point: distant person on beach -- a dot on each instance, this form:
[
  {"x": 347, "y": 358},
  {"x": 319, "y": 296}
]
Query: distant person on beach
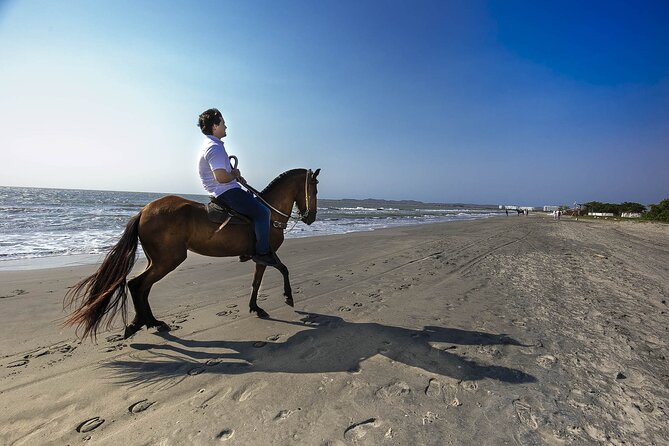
[{"x": 222, "y": 182}]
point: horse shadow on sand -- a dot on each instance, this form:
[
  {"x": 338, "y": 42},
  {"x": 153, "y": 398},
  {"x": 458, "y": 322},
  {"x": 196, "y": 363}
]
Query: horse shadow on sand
[{"x": 326, "y": 344}]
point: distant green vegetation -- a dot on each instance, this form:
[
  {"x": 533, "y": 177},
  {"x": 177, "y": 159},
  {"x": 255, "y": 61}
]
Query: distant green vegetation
[
  {"x": 616, "y": 209},
  {"x": 658, "y": 212}
]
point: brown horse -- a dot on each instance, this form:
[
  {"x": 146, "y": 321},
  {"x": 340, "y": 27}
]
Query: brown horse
[{"x": 168, "y": 228}]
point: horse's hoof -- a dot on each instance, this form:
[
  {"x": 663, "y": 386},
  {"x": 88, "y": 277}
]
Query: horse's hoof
[
  {"x": 289, "y": 301},
  {"x": 262, "y": 314},
  {"x": 159, "y": 325},
  {"x": 163, "y": 327},
  {"x": 130, "y": 330}
]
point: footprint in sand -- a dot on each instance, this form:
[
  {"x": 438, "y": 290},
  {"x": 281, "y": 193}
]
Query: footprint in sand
[
  {"x": 212, "y": 362},
  {"x": 394, "y": 389},
  {"x": 140, "y": 406},
  {"x": 225, "y": 434},
  {"x": 433, "y": 389},
  {"x": 259, "y": 344},
  {"x": 644, "y": 406},
  {"x": 430, "y": 417},
  {"x": 470, "y": 386},
  {"x": 227, "y": 312},
  {"x": 248, "y": 391},
  {"x": 273, "y": 338},
  {"x": 114, "y": 338},
  {"x": 358, "y": 430},
  {"x": 19, "y": 363},
  {"x": 196, "y": 371},
  {"x": 37, "y": 354},
  {"x": 546, "y": 361},
  {"x": 63, "y": 348},
  {"x": 180, "y": 320},
  {"x": 489, "y": 350},
  {"x": 357, "y": 304},
  {"x": 344, "y": 308},
  {"x": 113, "y": 348},
  {"x": 90, "y": 424},
  {"x": 283, "y": 415},
  {"x": 14, "y": 294},
  {"x": 524, "y": 412}
]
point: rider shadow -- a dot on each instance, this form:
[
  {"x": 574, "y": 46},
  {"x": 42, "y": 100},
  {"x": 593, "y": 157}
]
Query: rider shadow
[{"x": 327, "y": 344}]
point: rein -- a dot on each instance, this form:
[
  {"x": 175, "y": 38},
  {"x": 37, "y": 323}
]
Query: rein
[{"x": 250, "y": 188}]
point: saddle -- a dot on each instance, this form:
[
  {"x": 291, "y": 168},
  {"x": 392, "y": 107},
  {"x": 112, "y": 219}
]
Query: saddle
[{"x": 222, "y": 214}]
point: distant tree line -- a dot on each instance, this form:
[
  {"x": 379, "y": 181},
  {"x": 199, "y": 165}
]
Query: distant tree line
[
  {"x": 657, "y": 212},
  {"x": 616, "y": 209}
]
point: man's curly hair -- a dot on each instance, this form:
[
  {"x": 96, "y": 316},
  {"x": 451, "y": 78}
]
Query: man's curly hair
[{"x": 207, "y": 120}]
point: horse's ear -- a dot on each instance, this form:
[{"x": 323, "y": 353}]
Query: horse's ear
[{"x": 316, "y": 173}]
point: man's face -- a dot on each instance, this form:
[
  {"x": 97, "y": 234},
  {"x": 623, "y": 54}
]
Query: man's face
[{"x": 218, "y": 130}]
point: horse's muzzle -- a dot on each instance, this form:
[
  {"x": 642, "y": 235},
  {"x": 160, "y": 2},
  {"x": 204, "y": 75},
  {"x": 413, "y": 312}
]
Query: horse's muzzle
[{"x": 309, "y": 218}]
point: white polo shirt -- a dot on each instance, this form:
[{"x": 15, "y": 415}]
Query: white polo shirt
[{"x": 213, "y": 156}]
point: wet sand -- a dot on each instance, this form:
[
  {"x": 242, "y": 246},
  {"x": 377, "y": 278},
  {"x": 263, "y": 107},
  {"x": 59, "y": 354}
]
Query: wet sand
[{"x": 518, "y": 330}]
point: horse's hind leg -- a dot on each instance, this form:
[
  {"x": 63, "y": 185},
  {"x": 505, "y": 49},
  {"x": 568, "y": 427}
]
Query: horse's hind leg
[
  {"x": 140, "y": 287},
  {"x": 134, "y": 285}
]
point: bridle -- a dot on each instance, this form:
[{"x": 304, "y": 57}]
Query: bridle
[
  {"x": 300, "y": 215},
  {"x": 306, "y": 196}
]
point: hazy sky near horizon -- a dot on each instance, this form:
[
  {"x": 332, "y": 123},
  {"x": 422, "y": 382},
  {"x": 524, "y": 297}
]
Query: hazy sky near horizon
[{"x": 442, "y": 101}]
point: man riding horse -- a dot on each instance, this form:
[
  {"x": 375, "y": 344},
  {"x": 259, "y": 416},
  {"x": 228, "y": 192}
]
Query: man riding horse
[
  {"x": 221, "y": 180},
  {"x": 171, "y": 226}
]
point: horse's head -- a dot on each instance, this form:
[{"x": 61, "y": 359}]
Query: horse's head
[{"x": 306, "y": 201}]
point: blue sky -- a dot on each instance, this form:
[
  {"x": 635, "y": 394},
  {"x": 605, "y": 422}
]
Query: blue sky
[{"x": 444, "y": 101}]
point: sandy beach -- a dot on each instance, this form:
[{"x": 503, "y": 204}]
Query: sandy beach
[{"x": 518, "y": 330}]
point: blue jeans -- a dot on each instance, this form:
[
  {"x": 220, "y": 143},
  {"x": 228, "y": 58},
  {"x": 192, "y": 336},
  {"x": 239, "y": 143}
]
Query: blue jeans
[{"x": 245, "y": 203}]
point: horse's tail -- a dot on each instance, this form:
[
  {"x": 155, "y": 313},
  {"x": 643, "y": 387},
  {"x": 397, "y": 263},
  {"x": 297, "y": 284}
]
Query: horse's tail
[{"x": 104, "y": 293}]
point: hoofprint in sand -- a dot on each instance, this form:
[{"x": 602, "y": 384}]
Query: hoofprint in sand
[{"x": 518, "y": 330}]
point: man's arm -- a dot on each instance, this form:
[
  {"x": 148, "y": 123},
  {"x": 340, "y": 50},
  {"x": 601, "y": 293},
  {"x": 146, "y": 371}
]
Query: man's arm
[{"x": 223, "y": 176}]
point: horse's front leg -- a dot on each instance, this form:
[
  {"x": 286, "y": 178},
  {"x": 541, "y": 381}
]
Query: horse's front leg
[
  {"x": 253, "y": 303},
  {"x": 287, "y": 290}
]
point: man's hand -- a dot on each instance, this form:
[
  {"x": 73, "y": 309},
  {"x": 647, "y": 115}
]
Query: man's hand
[{"x": 238, "y": 176}]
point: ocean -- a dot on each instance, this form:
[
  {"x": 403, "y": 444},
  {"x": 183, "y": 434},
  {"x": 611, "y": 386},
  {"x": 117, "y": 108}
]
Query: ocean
[{"x": 62, "y": 224}]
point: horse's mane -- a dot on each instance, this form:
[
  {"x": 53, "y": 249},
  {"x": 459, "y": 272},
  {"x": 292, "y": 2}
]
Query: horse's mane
[{"x": 275, "y": 181}]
